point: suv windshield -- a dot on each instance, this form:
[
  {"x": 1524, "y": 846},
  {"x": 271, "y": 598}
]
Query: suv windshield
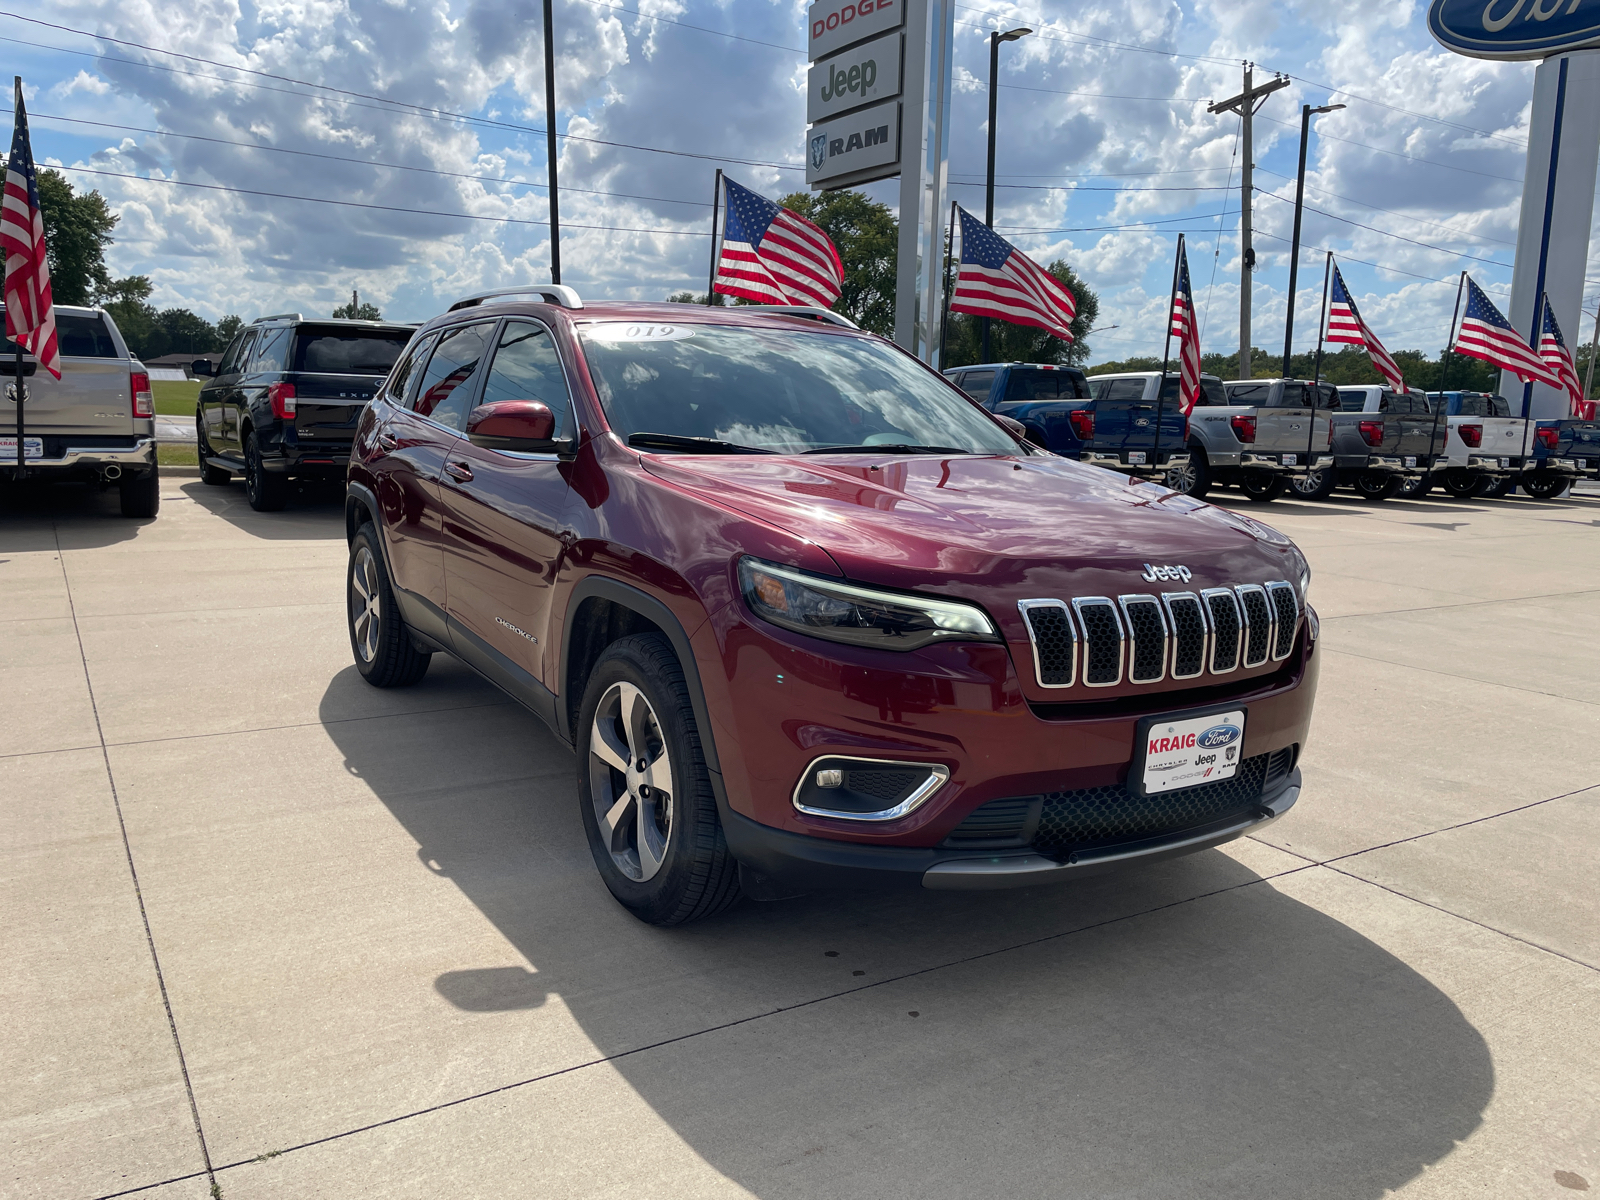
[
  {"x": 336, "y": 351},
  {"x": 783, "y": 390}
]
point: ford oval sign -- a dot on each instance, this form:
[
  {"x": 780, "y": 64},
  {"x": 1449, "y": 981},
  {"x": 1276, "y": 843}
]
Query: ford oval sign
[
  {"x": 1514, "y": 28},
  {"x": 1218, "y": 736}
]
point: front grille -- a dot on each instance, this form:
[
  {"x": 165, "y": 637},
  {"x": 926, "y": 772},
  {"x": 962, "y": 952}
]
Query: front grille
[
  {"x": 1147, "y": 631},
  {"x": 1059, "y": 823},
  {"x": 1258, "y": 623},
  {"x": 1187, "y": 621},
  {"x": 1102, "y": 640},
  {"x": 1286, "y": 610},
  {"x": 1223, "y": 607},
  {"x": 1055, "y": 641}
]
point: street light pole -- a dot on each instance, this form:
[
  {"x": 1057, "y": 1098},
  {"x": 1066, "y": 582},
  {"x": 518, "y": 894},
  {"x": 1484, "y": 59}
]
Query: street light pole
[
  {"x": 1306, "y": 112},
  {"x": 550, "y": 140},
  {"x": 995, "y": 39}
]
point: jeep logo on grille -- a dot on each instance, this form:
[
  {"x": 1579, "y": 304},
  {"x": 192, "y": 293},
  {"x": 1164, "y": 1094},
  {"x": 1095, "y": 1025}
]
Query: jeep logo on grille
[{"x": 1153, "y": 573}]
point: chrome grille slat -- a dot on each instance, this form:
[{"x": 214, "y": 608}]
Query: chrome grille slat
[
  {"x": 1258, "y": 623},
  {"x": 1286, "y": 611},
  {"x": 1054, "y": 639},
  {"x": 1103, "y": 640},
  {"x": 1146, "y": 627},
  {"x": 1227, "y": 624},
  {"x": 1191, "y": 633}
]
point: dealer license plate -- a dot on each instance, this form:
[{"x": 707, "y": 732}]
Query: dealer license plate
[
  {"x": 1136, "y": 458},
  {"x": 1505, "y": 462},
  {"x": 31, "y": 448},
  {"x": 1291, "y": 460},
  {"x": 1411, "y": 460},
  {"x": 1190, "y": 751}
]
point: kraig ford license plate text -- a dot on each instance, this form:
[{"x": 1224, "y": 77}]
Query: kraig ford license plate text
[{"x": 1192, "y": 751}]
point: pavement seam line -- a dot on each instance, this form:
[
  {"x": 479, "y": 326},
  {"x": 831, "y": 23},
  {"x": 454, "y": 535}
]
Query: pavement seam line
[
  {"x": 734, "y": 1024},
  {"x": 421, "y": 712},
  {"x": 133, "y": 874},
  {"x": 1510, "y": 687},
  {"x": 1391, "y": 612}
]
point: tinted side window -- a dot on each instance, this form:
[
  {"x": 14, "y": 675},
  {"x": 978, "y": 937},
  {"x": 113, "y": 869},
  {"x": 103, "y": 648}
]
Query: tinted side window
[
  {"x": 84, "y": 337},
  {"x": 269, "y": 352},
  {"x": 1502, "y": 407},
  {"x": 527, "y": 367},
  {"x": 448, "y": 382},
  {"x": 1169, "y": 388},
  {"x": 406, "y": 373},
  {"x": 1125, "y": 389},
  {"x": 1351, "y": 400},
  {"x": 977, "y": 384},
  {"x": 1032, "y": 385},
  {"x": 1249, "y": 393},
  {"x": 238, "y": 352},
  {"x": 1212, "y": 392}
]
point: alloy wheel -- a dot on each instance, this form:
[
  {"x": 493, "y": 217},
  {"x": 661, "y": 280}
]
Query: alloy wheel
[
  {"x": 365, "y": 614},
  {"x": 1310, "y": 484},
  {"x": 630, "y": 781}
]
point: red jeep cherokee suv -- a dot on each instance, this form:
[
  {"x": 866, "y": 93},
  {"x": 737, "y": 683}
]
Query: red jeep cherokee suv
[{"x": 808, "y": 615}]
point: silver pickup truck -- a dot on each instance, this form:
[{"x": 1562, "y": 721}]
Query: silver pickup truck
[
  {"x": 96, "y": 423},
  {"x": 1258, "y": 433}
]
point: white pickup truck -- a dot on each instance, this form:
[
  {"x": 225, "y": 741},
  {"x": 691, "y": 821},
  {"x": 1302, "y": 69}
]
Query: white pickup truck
[
  {"x": 96, "y": 423},
  {"x": 1488, "y": 447}
]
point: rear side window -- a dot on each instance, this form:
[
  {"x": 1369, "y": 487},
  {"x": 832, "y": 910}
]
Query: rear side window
[
  {"x": 1249, "y": 393},
  {"x": 1502, "y": 407},
  {"x": 977, "y": 384},
  {"x": 527, "y": 367},
  {"x": 238, "y": 353},
  {"x": 1212, "y": 392},
  {"x": 268, "y": 353},
  {"x": 1124, "y": 389},
  {"x": 1352, "y": 400},
  {"x": 84, "y": 337},
  {"x": 407, "y": 372},
  {"x": 1037, "y": 385},
  {"x": 445, "y": 393},
  {"x": 334, "y": 351}
]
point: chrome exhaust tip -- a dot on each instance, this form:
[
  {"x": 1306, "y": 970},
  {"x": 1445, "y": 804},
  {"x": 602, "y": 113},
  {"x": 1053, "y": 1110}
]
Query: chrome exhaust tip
[{"x": 113, "y": 472}]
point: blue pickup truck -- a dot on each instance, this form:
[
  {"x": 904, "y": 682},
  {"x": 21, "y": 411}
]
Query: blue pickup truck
[
  {"x": 1562, "y": 452},
  {"x": 1107, "y": 421}
]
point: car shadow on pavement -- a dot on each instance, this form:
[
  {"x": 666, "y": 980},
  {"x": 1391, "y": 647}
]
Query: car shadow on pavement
[
  {"x": 84, "y": 515},
  {"x": 315, "y": 509},
  {"x": 1186, "y": 1029}
]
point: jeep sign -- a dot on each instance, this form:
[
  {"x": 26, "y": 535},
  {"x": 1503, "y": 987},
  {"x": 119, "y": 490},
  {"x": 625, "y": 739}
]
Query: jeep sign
[
  {"x": 855, "y": 143},
  {"x": 834, "y": 24},
  {"x": 856, "y": 77}
]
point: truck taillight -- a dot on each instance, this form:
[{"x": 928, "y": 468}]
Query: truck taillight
[
  {"x": 1244, "y": 428},
  {"x": 144, "y": 404},
  {"x": 1470, "y": 435},
  {"x": 1548, "y": 435},
  {"x": 1372, "y": 433},
  {"x": 1082, "y": 423},
  {"x": 281, "y": 397}
]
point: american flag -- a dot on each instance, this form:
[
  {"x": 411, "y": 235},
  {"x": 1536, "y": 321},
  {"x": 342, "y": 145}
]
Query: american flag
[
  {"x": 30, "y": 316},
  {"x": 998, "y": 280},
  {"x": 774, "y": 256},
  {"x": 1486, "y": 334},
  {"x": 1345, "y": 325},
  {"x": 1186, "y": 328},
  {"x": 1553, "y": 349}
]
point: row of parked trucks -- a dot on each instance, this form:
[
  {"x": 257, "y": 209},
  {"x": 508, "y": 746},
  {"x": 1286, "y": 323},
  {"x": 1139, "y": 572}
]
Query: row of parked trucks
[{"x": 1275, "y": 437}]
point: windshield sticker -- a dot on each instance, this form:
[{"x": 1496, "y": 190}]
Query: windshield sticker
[{"x": 620, "y": 331}]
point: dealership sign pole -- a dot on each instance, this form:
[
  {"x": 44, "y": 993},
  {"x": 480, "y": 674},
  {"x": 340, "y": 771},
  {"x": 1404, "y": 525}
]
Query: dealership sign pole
[
  {"x": 1563, "y": 152},
  {"x": 877, "y": 104}
]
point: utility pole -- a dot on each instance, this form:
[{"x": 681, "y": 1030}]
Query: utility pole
[
  {"x": 1588, "y": 376},
  {"x": 1247, "y": 103}
]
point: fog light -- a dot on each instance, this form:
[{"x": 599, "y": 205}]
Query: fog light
[
  {"x": 830, "y": 779},
  {"x": 866, "y": 789}
]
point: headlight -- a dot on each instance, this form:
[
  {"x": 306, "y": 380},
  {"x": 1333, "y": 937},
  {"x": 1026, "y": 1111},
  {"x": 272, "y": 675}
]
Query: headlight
[{"x": 845, "y": 612}]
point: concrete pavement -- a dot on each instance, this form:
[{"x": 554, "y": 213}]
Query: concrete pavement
[{"x": 270, "y": 928}]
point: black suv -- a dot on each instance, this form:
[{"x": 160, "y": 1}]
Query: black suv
[{"x": 285, "y": 399}]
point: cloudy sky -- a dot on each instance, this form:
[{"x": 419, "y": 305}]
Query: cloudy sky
[{"x": 434, "y": 147}]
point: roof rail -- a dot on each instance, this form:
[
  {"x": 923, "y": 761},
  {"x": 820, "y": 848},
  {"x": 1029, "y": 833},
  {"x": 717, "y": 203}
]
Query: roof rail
[
  {"x": 799, "y": 310},
  {"x": 279, "y": 317},
  {"x": 553, "y": 293}
]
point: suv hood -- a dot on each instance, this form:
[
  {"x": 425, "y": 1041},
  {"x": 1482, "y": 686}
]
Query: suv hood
[{"x": 992, "y": 530}]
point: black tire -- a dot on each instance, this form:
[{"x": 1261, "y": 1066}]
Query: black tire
[
  {"x": 1414, "y": 487},
  {"x": 1491, "y": 488},
  {"x": 1376, "y": 485},
  {"x": 1263, "y": 487},
  {"x": 1313, "y": 485},
  {"x": 666, "y": 864},
  {"x": 1545, "y": 487},
  {"x": 1193, "y": 480},
  {"x": 1460, "y": 484},
  {"x": 141, "y": 496},
  {"x": 215, "y": 476},
  {"x": 266, "y": 491},
  {"x": 381, "y": 645}
]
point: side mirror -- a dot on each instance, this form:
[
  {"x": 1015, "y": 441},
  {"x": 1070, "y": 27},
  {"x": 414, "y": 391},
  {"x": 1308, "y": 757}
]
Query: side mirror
[
  {"x": 513, "y": 425},
  {"x": 1014, "y": 427},
  {"x": 201, "y": 368}
]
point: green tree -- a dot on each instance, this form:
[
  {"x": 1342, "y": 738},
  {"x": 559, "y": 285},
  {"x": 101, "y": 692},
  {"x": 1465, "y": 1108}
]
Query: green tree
[
  {"x": 77, "y": 230},
  {"x": 867, "y": 237},
  {"x": 357, "y": 310},
  {"x": 226, "y": 328},
  {"x": 1024, "y": 343},
  {"x": 186, "y": 332}
]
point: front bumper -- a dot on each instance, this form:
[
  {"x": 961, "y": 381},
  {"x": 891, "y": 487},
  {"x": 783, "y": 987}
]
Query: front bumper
[
  {"x": 141, "y": 453},
  {"x": 1119, "y": 461}
]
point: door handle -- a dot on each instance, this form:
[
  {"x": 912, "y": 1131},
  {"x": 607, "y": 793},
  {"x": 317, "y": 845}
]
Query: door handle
[
  {"x": 458, "y": 470},
  {"x": 386, "y": 440}
]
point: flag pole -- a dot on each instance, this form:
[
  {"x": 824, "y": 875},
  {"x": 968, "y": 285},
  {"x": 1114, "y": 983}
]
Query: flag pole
[
  {"x": 1316, "y": 369},
  {"x": 22, "y": 391},
  {"x": 711, "y": 278},
  {"x": 1588, "y": 375},
  {"x": 1166, "y": 357},
  {"x": 949, "y": 250}
]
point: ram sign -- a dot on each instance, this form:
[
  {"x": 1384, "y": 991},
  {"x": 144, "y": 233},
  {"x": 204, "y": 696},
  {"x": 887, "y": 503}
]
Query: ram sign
[
  {"x": 855, "y": 147},
  {"x": 857, "y": 77},
  {"x": 1514, "y": 28}
]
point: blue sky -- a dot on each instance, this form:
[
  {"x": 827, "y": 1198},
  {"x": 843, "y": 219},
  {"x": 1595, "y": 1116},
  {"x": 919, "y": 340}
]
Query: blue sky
[{"x": 1105, "y": 151}]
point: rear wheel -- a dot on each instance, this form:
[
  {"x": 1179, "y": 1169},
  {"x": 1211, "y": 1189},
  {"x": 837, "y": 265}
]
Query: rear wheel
[
  {"x": 215, "y": 476},
  {"x": 141, "y": 497},
  {"x": 1414, "y": 487},
  {"x": 384, "y": 652},
  {"x": 1262, "y": 486},
  {"x": 644, "y": 791},
  {"x": 1495, "y": 489},
  {"x": 1460, "y": 484},
  {"x": 1193, "y": 478},
  {"x": 1545, "y": 487},
  {"x": 1377, "y": 485},
  {"x": 1314, "y": 485},
  {"x": 266, "y": 491}
]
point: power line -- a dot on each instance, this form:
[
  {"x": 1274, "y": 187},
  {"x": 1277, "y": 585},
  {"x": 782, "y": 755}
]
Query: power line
[
  {"x": 1018, "y": 87},
  {"x": 1040, "y": 187},
  {"x": 1088, "y": 37},
  {"x": 1392, "y": 153},
  {"x": 1519, "y": 144},
  {"x": 698, "y": 28},
  {"x": 1384, "y": 232},
  {"x": 1407, "y": 216}
]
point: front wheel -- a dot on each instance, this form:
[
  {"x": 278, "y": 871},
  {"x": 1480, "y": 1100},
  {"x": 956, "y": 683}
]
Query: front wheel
[
  {"x": 643, "y": 789},
  {"x": 215, "y": 476},
  {"x": 1313, "y": 485},
  {"x": 1545, "y": 487},
  {"x": 1262, "y": 486},
  {"x": 1193, "y": 479},
  {"x": 384, "y": 652},
  {"x": 1377, "y": 485}
]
